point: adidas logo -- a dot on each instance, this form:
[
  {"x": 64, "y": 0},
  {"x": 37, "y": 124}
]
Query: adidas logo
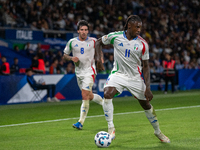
[
  {"x": 121, "y": 44},
  {"x": 76, "y": 45},
  {"x": 88, "y": 87}
]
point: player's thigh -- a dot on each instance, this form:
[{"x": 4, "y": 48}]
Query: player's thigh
[
  {"x": 87, "y": 83},
  {"x": 137, "y": 89},
  {"x": 114, "y": 84},
  {"x": 79, "y": 81}
]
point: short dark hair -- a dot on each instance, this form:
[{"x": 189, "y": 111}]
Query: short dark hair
[
  {"x": 132, "y": 18},
  {"x": 82, "y": 23},
  {"x": 40, "y": 55},
  {"x": 28, "y": 69}
]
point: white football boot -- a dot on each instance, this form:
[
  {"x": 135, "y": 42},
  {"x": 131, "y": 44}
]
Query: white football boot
[
  {"x": 111, "y": 131},
  {"x": 162, "y": 137}
]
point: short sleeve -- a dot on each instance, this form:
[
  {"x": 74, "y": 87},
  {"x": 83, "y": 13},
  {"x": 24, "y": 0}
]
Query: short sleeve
[
  {"x": 68, "y": 47},
  {"x": 109, "y": 39},
  {"x": 105, "y": 40},
  {"x": 145, "y": 51}
]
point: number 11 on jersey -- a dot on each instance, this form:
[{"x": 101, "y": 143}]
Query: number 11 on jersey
[{"x": 127, "y": 52}]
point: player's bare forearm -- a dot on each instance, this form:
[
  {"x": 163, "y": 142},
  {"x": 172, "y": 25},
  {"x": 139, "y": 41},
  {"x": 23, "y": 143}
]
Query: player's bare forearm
[
  {"x": 70, "y": 58},
  {"x": 98, "y": 54},
  {"x": 146, "y": 73},
  {"x": 67, "y": 57},
  {"x": 98, "y": 49}
]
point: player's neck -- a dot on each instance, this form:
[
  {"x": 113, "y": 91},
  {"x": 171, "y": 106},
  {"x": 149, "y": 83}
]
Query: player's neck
[
  {"x": 129, "y": 37},
  {"x": 82, "y": 39}
]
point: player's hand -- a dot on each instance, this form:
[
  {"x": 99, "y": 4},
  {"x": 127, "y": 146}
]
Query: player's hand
[
  {"x": 148, "y": 94},
  {"x": 75, "y": 59},
  {"x": 100, "y": 66}
]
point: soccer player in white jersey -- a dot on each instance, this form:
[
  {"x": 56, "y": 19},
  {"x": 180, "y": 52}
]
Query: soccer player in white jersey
[
  {"x": 131, "y": 51},
  {"x": 83, "y": 50}
]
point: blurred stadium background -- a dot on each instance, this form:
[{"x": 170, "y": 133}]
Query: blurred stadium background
[{"x": 29, "y": 27}]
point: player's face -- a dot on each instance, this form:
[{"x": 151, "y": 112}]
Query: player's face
[
  {"x": 135, "y": 28},
  {"x": 83, "y": 32}
]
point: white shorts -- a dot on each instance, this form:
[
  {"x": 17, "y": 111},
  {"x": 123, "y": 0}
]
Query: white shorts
[
  {"x": 85, "y": 82},
  {"x": 120, "y": 82}
]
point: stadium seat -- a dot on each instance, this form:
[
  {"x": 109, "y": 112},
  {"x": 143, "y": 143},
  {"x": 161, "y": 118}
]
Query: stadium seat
[{"x": 22, "y": 70}]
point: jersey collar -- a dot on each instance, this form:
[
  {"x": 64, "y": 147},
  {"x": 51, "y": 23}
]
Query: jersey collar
[
  {"x": 126, "y": 37},
  {"x": 80, "y": 40}
]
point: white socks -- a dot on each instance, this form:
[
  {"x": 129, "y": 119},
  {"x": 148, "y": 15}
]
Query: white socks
[
  {"x": 108, "y": 111},
  {"x": 84, "y": 110},
  {"x": 97, "y": 99},
  {"x": 151, "y": 116},
  {"x": 85, "y": 107}
]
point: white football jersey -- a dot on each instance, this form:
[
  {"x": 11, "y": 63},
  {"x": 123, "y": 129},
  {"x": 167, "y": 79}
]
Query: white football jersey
[
  {"x": 85, "y": 51},
  {"x": 127, "y": 54}
]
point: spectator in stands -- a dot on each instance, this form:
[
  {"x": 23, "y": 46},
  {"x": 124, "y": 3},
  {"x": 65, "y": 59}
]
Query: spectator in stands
[
  {"x": 169, "y": 71},
  {"x": 5, "y": 67},
  {"x": 9, "y": 18},
  {"x": 15, "y": 67},
  {"x": 52, "y": 69},
  {"x": 70, "y": 69},
  {"x": 47, "y": 66},
  {"x": 29, "y": 50},
  {"x": 16, "y": 48},
  {"x": 37, "y": 86},
  {"x": 47, "y": 56},
  {"x": 59, "y": 55},
  {"x": 109, "y": 63},
  {"x": 38, "y": 65},
  {"x": 60, "y": 68},
  {"x": 169, "y": 30},
  {"x": 44, "y": 24}
]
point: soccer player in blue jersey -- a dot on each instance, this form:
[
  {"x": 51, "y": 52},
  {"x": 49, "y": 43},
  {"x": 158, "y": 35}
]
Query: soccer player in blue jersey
[
  {"x": 131, "y": 52},
  {"x": 83, "y": 50}
]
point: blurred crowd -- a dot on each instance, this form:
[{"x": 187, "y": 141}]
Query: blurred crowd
[{"x": 169, "y": 26}]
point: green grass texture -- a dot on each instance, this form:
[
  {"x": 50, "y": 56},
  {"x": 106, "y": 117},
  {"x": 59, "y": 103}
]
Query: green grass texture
[{"x": 48, "y": 126}]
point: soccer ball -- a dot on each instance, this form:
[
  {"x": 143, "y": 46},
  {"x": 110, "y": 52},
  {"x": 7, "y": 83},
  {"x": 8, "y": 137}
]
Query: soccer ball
[{"x": 102, "y": 139}]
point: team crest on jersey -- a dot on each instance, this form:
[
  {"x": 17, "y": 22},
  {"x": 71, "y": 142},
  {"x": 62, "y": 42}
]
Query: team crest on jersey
[
  {"x": 88, "y": 44},
  {"x": 136, "y": 46}
]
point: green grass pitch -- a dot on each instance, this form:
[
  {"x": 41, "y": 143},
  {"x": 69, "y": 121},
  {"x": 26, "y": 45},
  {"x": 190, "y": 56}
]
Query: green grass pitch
[{"x": 48, "y": 126}]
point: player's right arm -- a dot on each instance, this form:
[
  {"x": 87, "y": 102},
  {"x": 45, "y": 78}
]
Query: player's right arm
[
  {"x": 98, "y": 54},
  {"x": 70, "y": 58},
  {"x": 67, "y": 51},
  {"x": 104, "y": 40}
]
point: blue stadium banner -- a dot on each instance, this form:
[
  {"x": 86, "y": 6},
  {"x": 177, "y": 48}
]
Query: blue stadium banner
[{"x": 27, "y": 35}]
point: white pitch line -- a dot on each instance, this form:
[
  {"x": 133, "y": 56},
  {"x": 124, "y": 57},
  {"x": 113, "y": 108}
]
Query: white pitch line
[{"x": 135, "y": 112}]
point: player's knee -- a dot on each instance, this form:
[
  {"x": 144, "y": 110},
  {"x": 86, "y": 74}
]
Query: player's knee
[
  {"x": 146, "y": 107},
  {"x": 145, "y": 104},
  {"x": 107, "y": 95},
  {"x": 85, "y": 95}
]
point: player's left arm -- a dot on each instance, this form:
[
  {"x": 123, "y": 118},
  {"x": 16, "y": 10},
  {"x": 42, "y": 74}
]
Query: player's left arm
[
  {"x": 146, "y": 73},
  {"x": 146, "y": 69}
]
